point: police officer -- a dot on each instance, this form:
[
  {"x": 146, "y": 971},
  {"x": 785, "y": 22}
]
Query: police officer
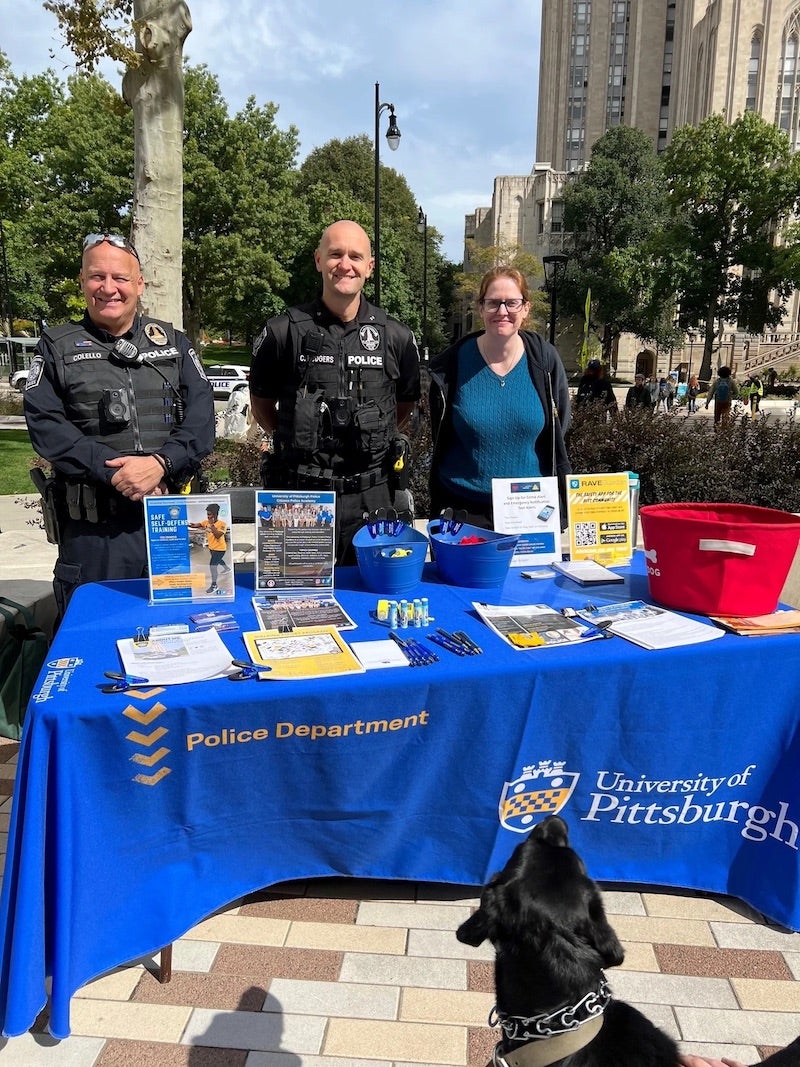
[
  {"x": 332, "y": 381},
  {"x": 120, "y": 406}
]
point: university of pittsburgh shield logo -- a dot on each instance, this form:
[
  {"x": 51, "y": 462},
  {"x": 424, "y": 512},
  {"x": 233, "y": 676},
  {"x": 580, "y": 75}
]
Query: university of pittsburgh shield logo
[{"x": 539, "y": 791}]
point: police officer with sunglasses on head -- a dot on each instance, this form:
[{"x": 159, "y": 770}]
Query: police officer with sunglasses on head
[{"x": 119, "y": 405}]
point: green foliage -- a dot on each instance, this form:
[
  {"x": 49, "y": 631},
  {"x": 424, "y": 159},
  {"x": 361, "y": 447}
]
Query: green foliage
[
  {"x": 747, "y": 462},
  {"x": 18, "y": 458},
  {"x": 733, "y": 188},
  {"x": 613, "y": 209}
]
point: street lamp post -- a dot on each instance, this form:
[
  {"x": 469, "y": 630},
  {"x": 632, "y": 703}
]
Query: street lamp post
[
  {"x": 393, "y": 139},
  {"x": 554, "y": 268},
  {"x": 422, "y": 227}
]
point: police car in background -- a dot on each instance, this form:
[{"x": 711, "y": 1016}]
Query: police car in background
[{"x": 223, "y": 376}]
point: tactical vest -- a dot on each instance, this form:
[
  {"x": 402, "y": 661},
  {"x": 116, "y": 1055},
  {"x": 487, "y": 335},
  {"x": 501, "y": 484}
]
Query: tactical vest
[
  {"x": 127, "y": 406},
  {"x": 338, "y": 410}
]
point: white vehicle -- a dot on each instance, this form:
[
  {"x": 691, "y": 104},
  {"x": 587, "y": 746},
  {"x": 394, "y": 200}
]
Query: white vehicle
[
  {"x": 222, "y": 377},
  {"x": 16, "y": 353}
]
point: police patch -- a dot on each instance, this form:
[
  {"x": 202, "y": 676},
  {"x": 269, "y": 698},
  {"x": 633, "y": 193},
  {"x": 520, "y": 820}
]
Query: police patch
[
  {"x": 153, "y": 332},
  {"x": 198, "y": 364},
  {"x": 370, "y": 338},
  {"x": 35, "y": 373},
  {"x": 84, "y": 342}
]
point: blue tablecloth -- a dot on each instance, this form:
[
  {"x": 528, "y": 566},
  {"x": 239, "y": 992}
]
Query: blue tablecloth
[{"x": 135, "y": 816}]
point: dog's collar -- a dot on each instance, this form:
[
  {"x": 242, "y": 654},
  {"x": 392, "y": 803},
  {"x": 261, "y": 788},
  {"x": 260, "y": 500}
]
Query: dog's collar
[
  {"x": 563, "y": 1020},
  {"x": 549, "y": 1050}
]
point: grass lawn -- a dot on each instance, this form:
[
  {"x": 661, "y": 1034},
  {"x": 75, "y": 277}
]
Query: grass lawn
[{"x": 17, "y": 453}]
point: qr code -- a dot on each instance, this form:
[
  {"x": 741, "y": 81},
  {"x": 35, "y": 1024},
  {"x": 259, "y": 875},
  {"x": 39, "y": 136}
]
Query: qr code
[{"x": 585, "y": 534}]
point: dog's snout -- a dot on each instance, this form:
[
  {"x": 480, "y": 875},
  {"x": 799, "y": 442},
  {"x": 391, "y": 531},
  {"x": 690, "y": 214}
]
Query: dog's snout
[{"x": 553, "y": 830}]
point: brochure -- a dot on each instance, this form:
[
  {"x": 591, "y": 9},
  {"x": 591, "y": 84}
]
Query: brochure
[
  {"x": 529, "y": 507},
  {"x": 650, "y": 626},
  {"x": 535, "y": 625},
  {"x": 188, "y": 547},
  {"x": 287, "y": 611},
  {"x": 174, "y": 659},
  {"x": 786, "y": 621},
  {"x": 295, "y": 539},
  {"x": 214, "y": 620},
  {"x": 599, "y": 509},
  {"x": 309, "y": 653},
  {"x": 586, "y": 572}
]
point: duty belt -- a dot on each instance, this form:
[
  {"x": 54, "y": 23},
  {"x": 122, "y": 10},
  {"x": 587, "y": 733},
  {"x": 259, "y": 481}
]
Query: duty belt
[{"x": 320, "y": 478}]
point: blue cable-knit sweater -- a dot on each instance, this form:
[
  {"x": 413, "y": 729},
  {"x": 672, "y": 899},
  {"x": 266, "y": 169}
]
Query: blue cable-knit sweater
[{"x": 496, "y": 422}]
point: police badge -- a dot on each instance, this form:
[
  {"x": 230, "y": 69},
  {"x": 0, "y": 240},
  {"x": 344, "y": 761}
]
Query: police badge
[
  {"x": 369, "y": 337},
  {"x": 539, "y": 791},
  {"x": 155, "y": 334}
]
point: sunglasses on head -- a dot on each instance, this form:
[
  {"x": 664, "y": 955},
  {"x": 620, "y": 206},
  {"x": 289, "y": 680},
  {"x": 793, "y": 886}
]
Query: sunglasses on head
[{"x": 115, "y": 239}]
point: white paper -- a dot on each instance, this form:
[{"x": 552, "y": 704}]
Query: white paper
[
  {"x": 652, "y": 627},
  {"x": 586, "y": 571},
  {"x": 189, "y": 657},
  {"x": 529, "y": 507},
  {"x": 379, "y": 654}
]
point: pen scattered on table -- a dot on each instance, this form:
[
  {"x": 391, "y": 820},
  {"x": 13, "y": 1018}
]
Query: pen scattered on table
[
  {"x": 457, "y": 642},
  {"x": 416, "y": 654}
]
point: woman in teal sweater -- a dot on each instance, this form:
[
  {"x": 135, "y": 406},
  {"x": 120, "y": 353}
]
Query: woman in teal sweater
[{"x": 499, "y": 404}]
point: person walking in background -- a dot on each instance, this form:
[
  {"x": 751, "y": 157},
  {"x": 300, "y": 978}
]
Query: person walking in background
[
  {"x": 120, "y": 406},
  {"x": 499, "y": 404},
  {"x": 723, "y": 392},
  {"x": 756, "y": 391},
  {"x": 334, "y": 381},
  {"x": 638, "y": 396},
  {"x": 666, "y": 392},
  {"x": 595, "y": 392},
  {"x": 692, "y": 392}
]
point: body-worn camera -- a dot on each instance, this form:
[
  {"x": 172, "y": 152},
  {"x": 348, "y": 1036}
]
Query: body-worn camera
[
  {"x": 341, "y": 411},
  {"x": 116, "y": 407}
]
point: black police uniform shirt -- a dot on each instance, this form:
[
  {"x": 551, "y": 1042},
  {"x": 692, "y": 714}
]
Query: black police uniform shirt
[
  {"x": 352, "y": 369},
  {"x": 70, "y": 393}
]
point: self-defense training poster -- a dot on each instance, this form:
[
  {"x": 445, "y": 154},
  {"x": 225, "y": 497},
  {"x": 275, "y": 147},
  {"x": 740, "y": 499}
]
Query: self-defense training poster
[
  {"x": 599, "y": 511},
  {"x": 529, "y": 507},
  {"x": 295, "y": 539},
  {"x": 188, "y": 547}
]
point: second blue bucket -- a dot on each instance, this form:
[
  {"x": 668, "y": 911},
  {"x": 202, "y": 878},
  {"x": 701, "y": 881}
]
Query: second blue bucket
[{"x": 480, "y": 565}]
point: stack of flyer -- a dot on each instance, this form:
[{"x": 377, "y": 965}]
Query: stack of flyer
[{"x": 214, "y": 620}]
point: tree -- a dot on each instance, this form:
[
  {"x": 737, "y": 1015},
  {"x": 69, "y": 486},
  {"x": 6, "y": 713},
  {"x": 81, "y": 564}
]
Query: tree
[
  {"x": 153, "y": 87},
  {"x": 612, "y": 210},
  {"x": 243, "y": 222},
  {"x": 732, "y": 250}
]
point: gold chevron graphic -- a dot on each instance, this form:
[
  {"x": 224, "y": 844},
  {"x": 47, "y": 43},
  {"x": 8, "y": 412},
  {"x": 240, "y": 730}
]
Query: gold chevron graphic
[
  {"x": 144, "y": 717},
  {"x": 148, "y": 761},
  {"x": 146, "y": 739},
  {"x": 152, "y": 779},
  {"x": 145, "y": 694}
]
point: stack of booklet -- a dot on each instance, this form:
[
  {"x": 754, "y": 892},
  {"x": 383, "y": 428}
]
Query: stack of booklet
[
  {"x": 650, "y": 626},
  {"x": 778, "y": 622}
]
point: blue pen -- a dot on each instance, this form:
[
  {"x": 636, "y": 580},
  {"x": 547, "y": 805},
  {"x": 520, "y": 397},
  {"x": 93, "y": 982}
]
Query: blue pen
[
  {"x": 424, "y": 654},
  {"x": 451, "y": 646}
]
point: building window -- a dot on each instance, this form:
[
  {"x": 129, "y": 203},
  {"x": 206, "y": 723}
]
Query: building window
[
  {"x": 752, "y": 71},
  {"x": 788, "y": 85},
  {"x": 557, "y": 216}
]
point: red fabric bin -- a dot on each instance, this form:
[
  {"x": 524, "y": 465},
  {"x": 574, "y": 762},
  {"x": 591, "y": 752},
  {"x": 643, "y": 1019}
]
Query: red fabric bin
[{"x": 718, "y": 559}]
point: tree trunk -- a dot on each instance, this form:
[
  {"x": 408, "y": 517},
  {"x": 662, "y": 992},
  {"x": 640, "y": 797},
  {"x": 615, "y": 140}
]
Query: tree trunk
[{"x": 154, "y": 91}]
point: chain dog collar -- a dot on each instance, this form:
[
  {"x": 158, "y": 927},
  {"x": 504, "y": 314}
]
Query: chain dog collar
[{"x": 564, "y": 1020}]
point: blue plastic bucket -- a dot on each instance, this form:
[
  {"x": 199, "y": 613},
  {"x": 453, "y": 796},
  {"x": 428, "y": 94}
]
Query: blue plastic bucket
[
  {"x": 382, "y": 568},
  {"x": 477, "y": 566}
]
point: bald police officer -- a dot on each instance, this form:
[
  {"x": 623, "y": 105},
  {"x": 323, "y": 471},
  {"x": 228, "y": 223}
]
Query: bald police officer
[
  {"x": 118, "y": 403},
  {"x": 332, "y": 381}
]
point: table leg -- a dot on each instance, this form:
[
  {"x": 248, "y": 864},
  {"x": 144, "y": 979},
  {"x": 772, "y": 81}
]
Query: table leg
[{"x": 165, "y": 968}]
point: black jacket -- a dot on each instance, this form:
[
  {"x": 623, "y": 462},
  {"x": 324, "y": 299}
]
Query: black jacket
[{"x": 550, "y": 381}]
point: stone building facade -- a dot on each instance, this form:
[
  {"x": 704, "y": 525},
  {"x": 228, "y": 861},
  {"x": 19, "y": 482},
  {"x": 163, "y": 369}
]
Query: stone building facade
[{"x": 658, "y": 65}]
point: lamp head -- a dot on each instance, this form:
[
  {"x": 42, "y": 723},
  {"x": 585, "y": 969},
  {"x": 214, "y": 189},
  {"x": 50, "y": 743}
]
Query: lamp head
[
  {"x": 393, "y": 133},
  {"x": 554, "y": 268},
  {"x": 422, "y": 221}
]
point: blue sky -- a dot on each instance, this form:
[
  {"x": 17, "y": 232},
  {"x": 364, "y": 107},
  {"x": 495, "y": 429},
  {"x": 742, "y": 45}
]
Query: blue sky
[{"x": 463, "y": 78}]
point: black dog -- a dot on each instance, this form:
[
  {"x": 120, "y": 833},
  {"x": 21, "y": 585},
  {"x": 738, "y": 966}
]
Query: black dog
[{"x": 545, "y": 917}]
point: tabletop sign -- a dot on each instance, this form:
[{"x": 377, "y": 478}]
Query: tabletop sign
[
  {"x": 599, "y": 510},
  {"x": 295, "y": 540},
  {"x": 529, "y": 507},
  {"x": 188, "y": 547}
]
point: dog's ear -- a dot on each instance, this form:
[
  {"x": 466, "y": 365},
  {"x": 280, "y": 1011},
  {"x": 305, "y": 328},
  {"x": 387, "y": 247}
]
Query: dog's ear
[
  {"x": 474, "y": 930},
  {"x": 600, "y": 934}
]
